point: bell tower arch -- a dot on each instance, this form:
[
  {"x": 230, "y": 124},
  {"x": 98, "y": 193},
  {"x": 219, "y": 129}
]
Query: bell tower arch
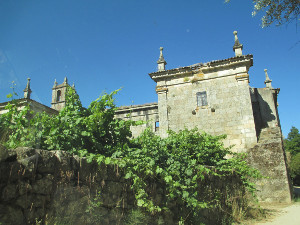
[{"x": 59, "y": 95}]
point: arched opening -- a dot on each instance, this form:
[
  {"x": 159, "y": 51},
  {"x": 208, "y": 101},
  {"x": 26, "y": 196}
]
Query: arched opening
[{"x": 58, "y": 96}]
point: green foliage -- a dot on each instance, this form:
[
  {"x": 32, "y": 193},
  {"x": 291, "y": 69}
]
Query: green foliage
[
  {"x": 295, "y": 169},
  {"x": 279, "y": 11},
  {"x": 292, "y": 142},
  {"x": 13, "y": 122},
  {"x": 64, "y": 131},
  {"x": 179, "y": 162},
  {"x": 74, "y": 129},
  {"x": 137, "y": 217},
  {"x": 292, "y": 145}
]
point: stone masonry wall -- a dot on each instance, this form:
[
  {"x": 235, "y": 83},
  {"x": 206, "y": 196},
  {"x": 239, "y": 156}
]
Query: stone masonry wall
[
  {"x": 57, "y": 188},
  {"x": 147, "y": 113},
  {"x": 54, "y": 187},
  {"x": 269, "y": 158},
  {"x": 229, "y": 109}
]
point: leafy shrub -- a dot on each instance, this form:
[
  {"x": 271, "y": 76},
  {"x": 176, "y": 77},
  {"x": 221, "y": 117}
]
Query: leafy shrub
[
  {"x": 292, "y": 145},
  {"x": 295, "y": 169},
  {"x": 179, "y": 162},
  {"x": 74, "y": 129},
  {"x": 292, "y": 142}
]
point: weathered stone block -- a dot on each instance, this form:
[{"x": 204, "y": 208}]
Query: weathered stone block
[
  {"x": 24, "y": 187},
  {"x": 44, "y": 186},
  {"x": 9, "y": 192},
  {"x": 11, "y": 215}
]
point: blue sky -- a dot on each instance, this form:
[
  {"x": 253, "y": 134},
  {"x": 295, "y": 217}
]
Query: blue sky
[{"x": 105, "y": 45}]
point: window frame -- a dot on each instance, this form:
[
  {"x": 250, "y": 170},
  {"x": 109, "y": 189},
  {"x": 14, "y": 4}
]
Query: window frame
[
  {"x": 201, "y": 98},
  {"x": 156, "y": 126}
]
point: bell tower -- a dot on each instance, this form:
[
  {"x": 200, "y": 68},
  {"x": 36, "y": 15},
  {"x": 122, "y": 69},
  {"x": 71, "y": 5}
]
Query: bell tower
[{"x": 59, "y": 95}]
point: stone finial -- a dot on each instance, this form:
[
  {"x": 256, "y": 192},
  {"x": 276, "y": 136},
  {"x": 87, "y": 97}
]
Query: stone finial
[
  {"x": 161, "y": 62},
  {"x": 237, "y": 47},
  {"x": 27, "y": 90},
  {"x": 66, "y": 80},
  {"x": 268, "y": 81},
  {"x": 55, "y": 83},
  {"x": 73, "y": 85}
]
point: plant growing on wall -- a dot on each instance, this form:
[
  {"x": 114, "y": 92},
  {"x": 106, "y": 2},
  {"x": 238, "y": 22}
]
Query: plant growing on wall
[{"x": 179, "y": 162}]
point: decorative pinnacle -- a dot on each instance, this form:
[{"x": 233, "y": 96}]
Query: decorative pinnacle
[
  {"x": 27, "y": 90},
  {"x": 161, "y": 61},
  {"x": 161, "y": 54},
  {"x": 55, "y": 83},
  {"x": 66, "y": 80},
  {"x": 235, "y": 36},
  {"x": 268, "y": 81},
  {"x": 161, "y": 57},
  {"x": 28, "y": 83},
  {"x": 237, "y": 47}
]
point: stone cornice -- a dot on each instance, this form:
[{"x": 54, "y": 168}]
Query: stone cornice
[
  {"x": 148, "y": 106},
  {"x": 216, "y": 65},
  {"x": 23, "y": 101}
]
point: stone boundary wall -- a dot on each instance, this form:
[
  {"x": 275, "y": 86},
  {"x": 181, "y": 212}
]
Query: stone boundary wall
[{"x": 55, "y": 187}]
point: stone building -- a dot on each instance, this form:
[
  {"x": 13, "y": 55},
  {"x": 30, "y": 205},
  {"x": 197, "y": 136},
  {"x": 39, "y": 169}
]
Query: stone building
[
  {"x": 215, "y": 97},
  {"x": 59, "y": 95},
  {"x": 34, "y": 105},
  {"x": 58, "y": 99}
]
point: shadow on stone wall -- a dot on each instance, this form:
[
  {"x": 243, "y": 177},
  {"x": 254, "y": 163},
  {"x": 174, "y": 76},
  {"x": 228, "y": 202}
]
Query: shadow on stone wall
[{"x": 262, "y": 112}]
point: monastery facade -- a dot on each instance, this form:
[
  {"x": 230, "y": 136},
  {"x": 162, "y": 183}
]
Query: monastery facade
[{"x": 216, "y": 98}]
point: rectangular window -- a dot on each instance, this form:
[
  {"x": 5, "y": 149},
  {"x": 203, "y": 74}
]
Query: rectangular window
[
  {"x": 201, "y": 98},
  {"x": 157, "y": 126}
]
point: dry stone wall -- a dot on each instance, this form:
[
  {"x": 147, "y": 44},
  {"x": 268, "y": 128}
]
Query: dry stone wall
[{"x": 54, "y": 187}]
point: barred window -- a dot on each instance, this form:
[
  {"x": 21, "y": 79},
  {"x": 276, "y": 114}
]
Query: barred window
[{"x": 201, "y": 98}]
